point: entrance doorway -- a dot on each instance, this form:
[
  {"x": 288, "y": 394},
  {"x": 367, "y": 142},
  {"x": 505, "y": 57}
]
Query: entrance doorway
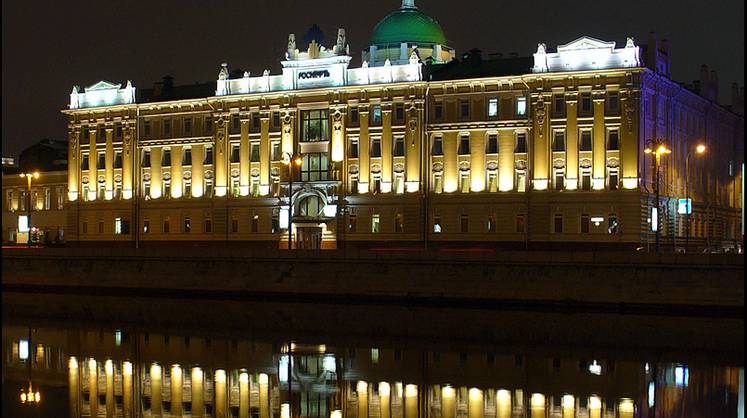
[{"x": 309, "y": 238}]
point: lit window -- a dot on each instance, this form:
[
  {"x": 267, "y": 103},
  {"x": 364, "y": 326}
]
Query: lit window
[
  {"x": 493, "y": 107},
  {"x": 375, "y": 355},
  {"x": 146, "y": 226},
  {"x": 375, "y": 223},
  {"x": 399, "y": 223},
  {"x": 117, "y": 226},
  {"x": 595, "y": 368},
  {"x": 352, "y": 223},
  {"x": 437, "y": 224},
  {"x": 376, "y": 115},
  {"x": 521, "y": 106},
  {"x": 187, "y": 225}
]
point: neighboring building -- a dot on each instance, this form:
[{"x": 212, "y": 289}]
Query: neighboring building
[
  {"x": 9, "y": 165},
  {"x": 539, "y": 151}
]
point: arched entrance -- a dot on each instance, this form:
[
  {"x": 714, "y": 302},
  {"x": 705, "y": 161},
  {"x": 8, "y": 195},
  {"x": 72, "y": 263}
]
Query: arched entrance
[{"x": 310, "y": 219}]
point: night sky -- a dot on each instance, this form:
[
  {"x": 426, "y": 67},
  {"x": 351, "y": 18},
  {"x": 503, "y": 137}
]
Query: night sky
[{"x": 47, "y": 48}]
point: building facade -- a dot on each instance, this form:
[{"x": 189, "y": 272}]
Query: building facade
[{"x": 397, "y": 152}]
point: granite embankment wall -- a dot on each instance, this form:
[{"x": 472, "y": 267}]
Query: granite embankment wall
[{"x": 670, "y": 283}]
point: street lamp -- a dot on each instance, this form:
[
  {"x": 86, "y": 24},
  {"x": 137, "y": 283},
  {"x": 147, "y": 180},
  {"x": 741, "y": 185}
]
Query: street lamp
[
  {"x": 699, "y": 149},
  {"x": 289, "y": 159},
  {"x": 28, "y": 177},
  {"x": 657, "y": 148}
]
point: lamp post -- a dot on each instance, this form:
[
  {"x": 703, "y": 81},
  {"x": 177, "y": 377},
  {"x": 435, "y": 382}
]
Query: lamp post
[
  {"x": 289, "y": 159},
  {"x": 699, "y": 149},
  {"x": 657, "y": 148},
  {"x": 28, "y": 177}
]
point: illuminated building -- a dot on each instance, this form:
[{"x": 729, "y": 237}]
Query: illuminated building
[{"x": 536, "y": 151}]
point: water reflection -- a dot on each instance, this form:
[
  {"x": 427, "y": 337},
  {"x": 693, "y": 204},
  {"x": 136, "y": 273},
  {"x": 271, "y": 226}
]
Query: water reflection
[{"x": 128, "y": 373}]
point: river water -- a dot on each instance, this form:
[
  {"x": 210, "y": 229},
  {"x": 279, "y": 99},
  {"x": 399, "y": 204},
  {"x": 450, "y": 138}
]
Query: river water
[{"x": 90, "y": 356}]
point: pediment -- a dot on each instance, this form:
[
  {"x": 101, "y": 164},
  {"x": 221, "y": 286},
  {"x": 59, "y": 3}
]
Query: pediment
[
  {"x": 586, "y": 42},
  {"x": 103, "y": 85}
]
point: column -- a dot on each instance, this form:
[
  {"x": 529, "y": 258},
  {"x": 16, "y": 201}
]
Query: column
[
  {"x": 109, "y": 160},
  {"x": 571, "y": 138},
  {"x": 411, "y": 401},
  {"x": 109, "y": 370},
  {"x": 503, "y": 404},
  {"x": 73, "y": 154},
  {"x": 92, "y": 160},
  {"x": 244, "y": 157},
  {"x": 451, "y": 169},
  {"x": 155, "y": 391},
  {"x": 128, "y": 158},
  {"x": 540, "y": 144},
  {"x": 128, "y": 410},
  {"x": 93, "y": 387},
  {"x": 386, "y": 148},
  {"x": 198, "y": 402},
  {"x": 448, "y": 402},
  {"x": 537, "y": 406},
  {"x": 156, "y": 180},
  {"x": 176, "y": 391},
  {"x": 476, "y": 408},
  {"x": 264, "y": 396},
  {"x": 569, "y": 406},
  {"x": 477, "y": 161},
  {"x": 221, "y": 159},
  {"x": 177, "y": 178},
  {"x": 599, "y": 146},
  {"x": 414, "y": 142},
  {"x": 220, "y": 394},
  {"x": 73, "y": 384},
  {"x": 243, "y": 395},
  {"x": 385, "y": 408},
  {"x": 198, "y": 170},
  {"x": 506, "y": 147},
  {"x": 264, "y": 155},
  {"x": 362, "y": 390},
  {"x": 629, "y": 141},
  {"x": 364, "y": 142}
]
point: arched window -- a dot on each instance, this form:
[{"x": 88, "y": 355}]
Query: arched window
[{"x": 310, "y": 206}]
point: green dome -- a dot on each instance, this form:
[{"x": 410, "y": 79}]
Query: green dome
[{"x": 408, "y": 25}]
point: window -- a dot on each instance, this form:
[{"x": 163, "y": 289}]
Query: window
[
  {"x": 464, "y": 223},
  {"x": 208, "y": 187},
  {"x": 167, "y": 127},
  {"x": 437, "y": 224},
  {"x": 354, "y": 184},
  {"x": 586, "y": 106},
  {"x": 353, "y": 148},
  {"x": 118, "y": 131},
  {"x": 255, "y": 152},
  {"x": 585, "y": 224},
  {"x": 375, "y": 223},
  {"x": 399, "y": 112},
  {"x": 166, "y": 159},
  {"x": 118, "y": 159},
  {"x": 314, "y": 126},
  {"x": 101, "y": 226},
  {"x": 614, "y": 179},
  {"x": 47, "y": 199},
  {"x": 352, "y": 223},
  {"x": 613, "y": 226},
  {"x": 377, "y": 184},
  {"x": 492, "y": 222},
  {"x": 492, "y": 147},
  {"x": 118, "y": 190},
  {"x": 234, "y": 225},
  {"x": 187, "y": 157},
  {"x": 235, "y": 156},
  {"x": 208, "y": 155},
  {"x": 187, "y": 225},
  {"x": 85, "y": 227},
  {"x": 255, "y": 223},
  {"x": 493, "y": 107},
  {"x": 60, "y": 197},
  {"x": 187, "y": 187},
  {"x": 84, "y": 162},
  {"x": 208, "y": 225},
  {"x": 167, "y": 188},
  {"x": 521, "y": 106},
  {"x": 438, "y": 146},
  {"x": 101, "y": 163},
  {"x": 354, "y": 118},
  {"x": 146, "y": 128},
  {"x": 613, "y": 102},
  {"x": 235, "y": 122},
  {"x": 521, "y": 143},
  {"x": 166, "y": 225},
  {"x": 492, "y": 181},
  {"x": 399, "y": 223},
  {"x": 209, "y": 124},
  {"x": 521, "y": 181},
  {"x": 399, "y": 146},
  {"x": 146, "y": 189},
  {"x": 275, "y": 227},
  {"x": 559, "y": 179},
  {"x": 464, "y": 107},
  {"x": 276, "y": 120},
  {"x": 399, "y": 183},
  {"x": 558, "y": 108},
  {"x": 585, "y": 141},
  {"x": 464, "y": 145},
  {"x": 558, "y": 223},
  {"x": 376, "y": 115},
  {"x": 586, "y": 180},
  {"x": 464, "y": 181},
  {"x": 315, "y": 167},
  {"x": 235, "y": 187},
  {"x": 558, "y": 143},
  {"x": 188, "y": 126},
  {"x": 438, "y": 185},
  {"x": 256, "y": 122},
  {"x": 438, "y": 110},
  {"x": 375, "y": 146},
  {"x": 146, "y": 226},
  {"x": 613, "y": 140},
  {"x": 276, "y": 151}
]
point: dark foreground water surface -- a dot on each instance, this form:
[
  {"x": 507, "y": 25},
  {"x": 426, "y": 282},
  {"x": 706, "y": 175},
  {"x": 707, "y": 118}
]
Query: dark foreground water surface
[{"x": 95, "y": 356}]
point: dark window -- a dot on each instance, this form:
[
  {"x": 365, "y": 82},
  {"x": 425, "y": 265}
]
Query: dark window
[
  {"x": 208, "y": 225},
  {"x": 235, "y": 122},
  {"x": 276, "y": 120},
  {"x": 276, "y": 151},
  {"x": 167, "y": 127},
  {"x": 118, "y": 159},
  {"x": 585, "y": 141},
  {"x": 256, "y": 122},
  {"x": 209, "y": 125},
  {"x": 208, "y": 155},
  {"x": 275, "y": 228},
  {"x": 584, "y": 224},
  {"x": 613, "y": 102},
  {"x": 255, "y": 152},
  {"x": 146, "y": 128},
  {"x": 399, "y": 147},
  {"x": 464, "y": 145},
  {"x": 586, "y": 180},
  {"x": 559, "y": 105},
  {"x": 353, "y": 148},
  {"x": 438, "y": 110},
  {"x": 188, "y": 126},
  {"x": 376, "y": 115},
  {"x": 492, "y": 222},
  {"x": 187, "y": 225},
  {"x": 234, "y": 153},
  {"x": 438, "y": 146},
  {"x": 102, "y": 161},
  {"x": 586, "y": 104},
  {"x": 464, "y": 106},
  {"x": 187, "y": 157},
  {"x": 234, "y": 225},
  {"x": 558, "y": 223},
  {"x": 464, "y": 223},
  {"x": 255, "y": 223},
  {"x": 614, "y": 180},
  {"x": 613, "y": 226},
  {"x": 375, "y": 147},
  {"x": 352, "y": 223},
  {"x": 558, "y": 143},
  {"x": 119, "y": 131},
  {"x": 613, "y": 141},
  {"x": 492, "y": 144},
  {"x": 84, "y": 162},
  {"x": 101, "y": 226},
  {"x": 399, "y": 112},
  {"x": 399, "y": 223},
  {"x": 166, "y": 226},
  {"x": 315, "y": 167},
  {"x": 520, "y": 224},
  {"x": 146, "y": 226},
  {"x": 166, "y": 160},
  {"x": 354, "y": 115},
  {"x": 521, "y": 143},
  {"x": 314, "y": 126},
  {"x": 559, "y": 180}
]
